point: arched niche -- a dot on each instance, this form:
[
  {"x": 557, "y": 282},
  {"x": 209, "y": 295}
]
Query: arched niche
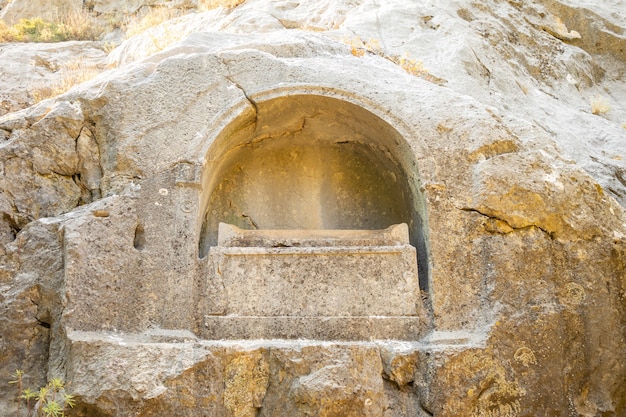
[{"x": 312, "y": 162}]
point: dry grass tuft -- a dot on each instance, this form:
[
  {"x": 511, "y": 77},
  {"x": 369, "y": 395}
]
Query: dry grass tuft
[
  {"x": 599, "y": 105},
  {"x": 154, "y": 17},
  {"x": 164, "y": 39},
  {"x": 76, "y": 25},
  {"x": 412, "y": 66},
  {"x": 73, "y": 73},
  {"x": 359, "y": 48},
  {"x": 165, "y": 36},
  {"x": 158, "y": 15},
  {"x": 204, "y": 5},
  {"x": 161, "y": 38}
]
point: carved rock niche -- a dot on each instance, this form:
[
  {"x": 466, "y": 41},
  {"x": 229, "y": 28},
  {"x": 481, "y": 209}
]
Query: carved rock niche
[{"x": 312, "y": 226}]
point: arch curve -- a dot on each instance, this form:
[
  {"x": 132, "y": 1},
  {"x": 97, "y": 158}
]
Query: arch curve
[{"x": 310, "y": 161}]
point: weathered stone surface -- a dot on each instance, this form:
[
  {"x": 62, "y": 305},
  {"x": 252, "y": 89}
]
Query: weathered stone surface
[
  {"x": 187, "y": 376},
  {"x": 41, "y": 172},
  {"x": 344, "y": 277},
  {"x": 31, "y": 275},
  {"x": 508, "y": 55},
  {"x": 36, "y": 69},
  {"x": 332, "y": 272},
  {"x": 110, "y": 202},
  {"x": 126, "y": 8}
]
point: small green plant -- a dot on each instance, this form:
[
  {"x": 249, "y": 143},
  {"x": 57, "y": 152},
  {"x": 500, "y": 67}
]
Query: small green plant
[
  {"x": 17, "y": 380},
  {"x": 29, "y": 395},
  {"x": 52, "y": 409},
  {"x": 599, "y": 105},
  {"x": 51, "y": 400}
]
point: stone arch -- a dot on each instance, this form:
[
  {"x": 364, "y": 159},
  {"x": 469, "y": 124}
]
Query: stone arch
[{"x": 310, "y": 161}]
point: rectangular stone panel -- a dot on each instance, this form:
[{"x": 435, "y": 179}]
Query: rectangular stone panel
[
  {"x": 318, "y": 281},
  {"x": 316, "y": 328},
  {"x": 329, "y": 285},
  {"x": 232, "y": 236}
]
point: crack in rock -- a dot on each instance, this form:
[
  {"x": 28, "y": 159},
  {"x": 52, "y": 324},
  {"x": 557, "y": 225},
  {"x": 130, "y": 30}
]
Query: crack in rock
[{"x": 503, "y": 226}]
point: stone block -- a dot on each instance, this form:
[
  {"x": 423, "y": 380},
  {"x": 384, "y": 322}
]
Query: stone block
[{"x": 324, "y": 284}]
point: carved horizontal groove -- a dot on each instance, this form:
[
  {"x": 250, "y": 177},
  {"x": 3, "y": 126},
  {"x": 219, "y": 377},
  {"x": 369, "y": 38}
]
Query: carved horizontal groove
[
  {"x": 375, "y": 317},
  {"x": 304, "y": 251}
]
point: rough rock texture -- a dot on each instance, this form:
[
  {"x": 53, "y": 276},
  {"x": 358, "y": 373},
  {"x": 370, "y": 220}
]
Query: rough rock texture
[
  {"x": 34, "y": 70},
  {"x": 14, "y": 10},
  {"x": 520, "y": 58},
  {"x": 129, "y": 8},
  {"x": 512, "y": 189}
]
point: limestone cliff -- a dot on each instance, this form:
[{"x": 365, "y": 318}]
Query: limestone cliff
[{"x": 471, "y": 122}]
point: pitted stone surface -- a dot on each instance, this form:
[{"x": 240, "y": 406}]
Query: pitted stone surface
[{"x": 106, "y": 219}]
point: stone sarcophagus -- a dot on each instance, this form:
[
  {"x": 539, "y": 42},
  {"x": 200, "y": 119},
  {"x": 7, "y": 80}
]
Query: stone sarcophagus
[
  {"x": 311, "y": 227},
  {"x": 313, "y": 284}
]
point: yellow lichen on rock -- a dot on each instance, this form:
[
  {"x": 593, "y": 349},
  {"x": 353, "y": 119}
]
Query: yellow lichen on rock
[
  {"x": 492, "y": 392},
  {"x": 245, "y": 384},
  {"x": 526, "y": 356}
]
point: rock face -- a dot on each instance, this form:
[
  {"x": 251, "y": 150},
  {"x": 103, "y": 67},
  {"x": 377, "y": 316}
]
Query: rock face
[
  {"x": 35, "y": 71},
  {"x": 272, "y": 116}
]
